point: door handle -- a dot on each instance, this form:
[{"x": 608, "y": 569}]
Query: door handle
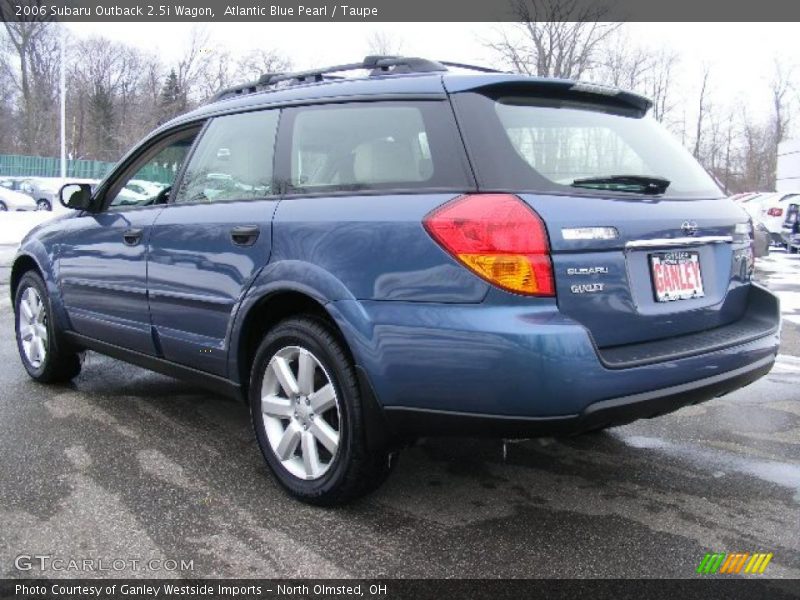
[
  {"x": 132, "y": 236},
  {"x": 245, "y": 235}
]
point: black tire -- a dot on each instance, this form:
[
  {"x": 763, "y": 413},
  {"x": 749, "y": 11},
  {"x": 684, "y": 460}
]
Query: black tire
[
  {"x": 60, "y": 363},
  {"x": 793, "y": 249},
  {"x": 353, "y": 471},
  {"x": 3, "y": 207},
  {"x": 43, "y": 204}
]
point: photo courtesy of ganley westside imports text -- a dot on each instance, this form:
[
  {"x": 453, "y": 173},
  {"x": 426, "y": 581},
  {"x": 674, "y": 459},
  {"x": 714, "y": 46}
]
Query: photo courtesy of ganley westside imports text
[{"x": 399, "y": 300}]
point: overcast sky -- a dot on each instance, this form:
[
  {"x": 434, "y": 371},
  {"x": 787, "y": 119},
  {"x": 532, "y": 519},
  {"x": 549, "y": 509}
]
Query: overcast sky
[{"x": 740, "y": 55}]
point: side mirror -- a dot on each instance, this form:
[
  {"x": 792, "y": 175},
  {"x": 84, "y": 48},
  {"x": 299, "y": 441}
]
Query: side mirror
[{"x": 77, "y": 196}]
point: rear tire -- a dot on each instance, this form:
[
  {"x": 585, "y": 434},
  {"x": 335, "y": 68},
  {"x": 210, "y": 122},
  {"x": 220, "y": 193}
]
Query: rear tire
[
  {"x": 45, "y": 360},
  {"x": 43, "y": 204},
  {"x": 306, "y": 409},
  {"x": 3, "y": 207}
]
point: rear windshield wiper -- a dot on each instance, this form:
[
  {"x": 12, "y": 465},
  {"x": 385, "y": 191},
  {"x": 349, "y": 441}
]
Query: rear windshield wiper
[{"x": 643, "y": 184}]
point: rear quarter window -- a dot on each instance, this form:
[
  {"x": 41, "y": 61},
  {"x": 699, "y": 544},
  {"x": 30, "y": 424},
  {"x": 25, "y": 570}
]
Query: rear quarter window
[{"x": 373, "y": 146}]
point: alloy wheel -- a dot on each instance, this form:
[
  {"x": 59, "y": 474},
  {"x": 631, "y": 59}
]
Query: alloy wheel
[
  {"x": 300, "y": 408},
  {"x": 32, "y": 327}
]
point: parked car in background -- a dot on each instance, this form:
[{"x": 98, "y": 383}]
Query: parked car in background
[
  {"x": 44, "y": 190},
  {"x": 762, "y": 240},
  {"x": 413, "y": 252},
  {"x": 791, "y": 228},
  {"x": 744, "y": 196},
  {"x": 751, "y": 203},
  {"x": 11, "y": 200},
  {"x": 12, "y": 183},
  {"x": 761, "y": 237},
  {"x": 772, "y": 212}
]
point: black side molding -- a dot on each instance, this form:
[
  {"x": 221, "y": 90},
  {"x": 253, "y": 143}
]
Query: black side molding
[{"x": 214, "y": 383}]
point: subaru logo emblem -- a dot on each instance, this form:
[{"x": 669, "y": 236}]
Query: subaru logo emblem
[{"x": 689, "y": 227}]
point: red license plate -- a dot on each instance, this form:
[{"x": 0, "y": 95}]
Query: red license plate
[{"x": 676, "y": 276}]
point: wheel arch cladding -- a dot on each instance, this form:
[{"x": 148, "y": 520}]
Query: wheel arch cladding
[
  {"x": 265, "y": 312},
  {"x": 270, "y": 309},
  {"x": 22, "y": 265}
]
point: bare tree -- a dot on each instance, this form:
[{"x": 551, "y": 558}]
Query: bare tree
[
  {"x": 554, "y": 38},
  {"x": 658, "y": 83},
  {"x": 623, "y": 64},
  {"x": 382, "y": 43},
  {"x": 35, "y": 46},
  {"x": 780, "y": 86},
  {"x": 260, "y": 61},
  {"x": 701, "y": 113}
]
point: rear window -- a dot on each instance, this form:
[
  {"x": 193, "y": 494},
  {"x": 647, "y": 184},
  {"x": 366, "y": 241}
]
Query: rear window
[
  {"x": 560, "y": 145},
  {"x": 380, "y": 145}
]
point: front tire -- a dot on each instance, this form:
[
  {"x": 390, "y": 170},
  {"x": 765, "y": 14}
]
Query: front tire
[
  {"x": 43, "y": 358},
  {"x": 43, "y": 204},
  {"x": 3, "y": 207},
  {"x": 306, "y": 410}
]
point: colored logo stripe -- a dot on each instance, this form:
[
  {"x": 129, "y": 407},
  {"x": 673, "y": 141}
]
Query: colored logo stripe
[
  {"x": 758, "y": 563},
  {"x": 733, "y": 563}
]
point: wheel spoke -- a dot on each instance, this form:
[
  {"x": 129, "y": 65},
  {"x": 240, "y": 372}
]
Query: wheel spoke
[
  {"x": 310, "y": 455},
  {"x": 33, "y": 302},
  {"x": 38, "y": 310},
  {"x": 33, "y": 350},
  {"x": 326, "y": 435},
  {"x": 25, "y": 307},
  {"x": 288, "y": 444},
  {"x": 275, "y": 406},
  {"x": 40, "y": 351},
  {"x": 25, "y": 331},
  {"x": 41, "y": 331},
  {"x": 285, "y": 376},
  {"x": 305, "y": 372},
  {"x": 323, "y": 399}
]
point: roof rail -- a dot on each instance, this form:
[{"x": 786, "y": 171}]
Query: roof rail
[
  {"x": 468, "y": 67},
  {"x": 377, "y": 65}
]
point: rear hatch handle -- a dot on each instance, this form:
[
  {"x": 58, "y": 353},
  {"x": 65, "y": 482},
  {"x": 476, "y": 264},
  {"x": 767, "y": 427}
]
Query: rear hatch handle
[{"x": 679, "y": 241}]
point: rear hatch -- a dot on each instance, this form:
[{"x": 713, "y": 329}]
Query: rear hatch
[{"x": 644, "y": 245}]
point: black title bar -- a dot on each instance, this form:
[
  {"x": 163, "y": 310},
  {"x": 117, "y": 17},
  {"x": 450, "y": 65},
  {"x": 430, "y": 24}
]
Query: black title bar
[{"x": 400, "y": 10}]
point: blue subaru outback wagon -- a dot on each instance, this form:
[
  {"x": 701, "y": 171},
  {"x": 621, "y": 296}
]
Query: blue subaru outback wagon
[{"x": 416, "y": 251}]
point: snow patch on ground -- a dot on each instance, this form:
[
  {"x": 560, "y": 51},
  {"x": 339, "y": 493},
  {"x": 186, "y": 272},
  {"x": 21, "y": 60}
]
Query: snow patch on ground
[
  {"x": 780, "y": 272},
  {"x": 15, "y": 225}
]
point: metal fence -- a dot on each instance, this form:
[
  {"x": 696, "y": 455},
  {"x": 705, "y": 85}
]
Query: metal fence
[{"x": 16, "y": 165}]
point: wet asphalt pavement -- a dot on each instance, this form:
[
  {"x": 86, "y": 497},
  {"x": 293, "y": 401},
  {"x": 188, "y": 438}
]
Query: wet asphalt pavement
[{"x": 128, "y": 464}]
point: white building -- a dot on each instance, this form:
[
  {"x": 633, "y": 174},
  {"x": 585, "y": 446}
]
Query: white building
[{"x": 788, "y": 175}]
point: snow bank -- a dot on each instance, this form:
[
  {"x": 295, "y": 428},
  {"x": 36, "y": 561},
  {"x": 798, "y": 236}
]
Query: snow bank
[{"x": 14, "y": 225}]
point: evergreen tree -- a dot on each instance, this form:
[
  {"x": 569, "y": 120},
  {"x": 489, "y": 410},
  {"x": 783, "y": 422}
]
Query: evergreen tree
[{"x": 172, "y": 101}]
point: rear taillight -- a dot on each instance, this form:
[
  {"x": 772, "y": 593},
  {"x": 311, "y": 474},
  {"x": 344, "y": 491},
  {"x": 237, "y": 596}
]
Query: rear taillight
[
  {"x": 498, "y": 237},
  {"x": 775, "y": 212}
]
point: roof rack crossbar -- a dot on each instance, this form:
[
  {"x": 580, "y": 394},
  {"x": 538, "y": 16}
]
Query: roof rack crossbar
[{"x": 377, "y": 65}]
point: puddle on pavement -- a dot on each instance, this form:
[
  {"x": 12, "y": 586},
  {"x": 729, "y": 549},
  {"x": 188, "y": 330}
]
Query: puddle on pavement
[{"x": 717, "y": 461}]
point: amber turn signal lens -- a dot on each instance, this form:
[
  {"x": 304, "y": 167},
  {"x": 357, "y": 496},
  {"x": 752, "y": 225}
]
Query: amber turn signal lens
[{"x": 499, "y": 238}]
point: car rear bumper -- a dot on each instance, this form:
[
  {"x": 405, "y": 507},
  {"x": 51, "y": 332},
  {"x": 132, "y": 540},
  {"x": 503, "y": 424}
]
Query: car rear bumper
[
  {"x": 789, "y": 238},
  {"x": 525, "y": 369},
  {"x": 605, "y": 413}
]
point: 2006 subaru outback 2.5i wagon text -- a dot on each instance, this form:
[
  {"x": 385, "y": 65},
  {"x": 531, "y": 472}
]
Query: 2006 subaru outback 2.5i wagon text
[{"x": 413, "y": 252}]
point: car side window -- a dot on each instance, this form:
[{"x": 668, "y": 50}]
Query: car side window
[
  {"x": 149, "y": 180},
  {"x": 233, "y": 160},
  {"x": 374, "y": 145}
]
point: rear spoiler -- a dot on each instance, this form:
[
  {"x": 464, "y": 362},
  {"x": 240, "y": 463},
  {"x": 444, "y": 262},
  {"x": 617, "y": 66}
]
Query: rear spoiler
[{"x": 591, "y": 92}]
